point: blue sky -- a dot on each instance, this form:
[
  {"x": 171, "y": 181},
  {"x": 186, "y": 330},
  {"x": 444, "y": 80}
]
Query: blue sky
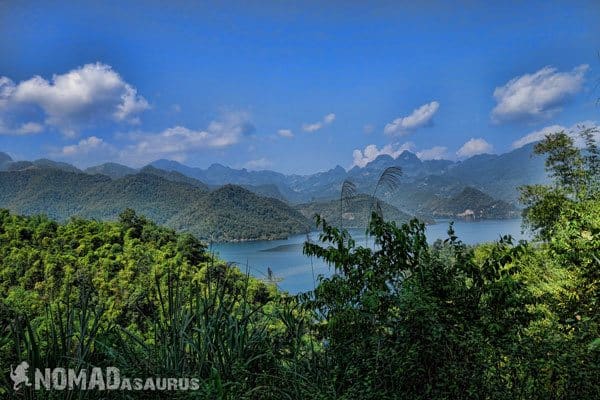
[{"x": 296, "y": 88}]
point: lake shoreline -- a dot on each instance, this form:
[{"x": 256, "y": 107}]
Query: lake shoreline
[
  {"x": 286, "y": 259},
  {"x": 437, "y": 222}
]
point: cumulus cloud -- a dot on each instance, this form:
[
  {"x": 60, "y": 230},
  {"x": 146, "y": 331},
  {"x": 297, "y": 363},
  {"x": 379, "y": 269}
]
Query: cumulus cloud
[
  {"x": 260, "y": 163},
  {"x": 82, "y": 96},
  {"x": 87, "y": 151},
  {"x": 420, "y": 117},
  {"x": 540, "y": 134},
  {"x": 177, "y": 142},
  {"x": 7, "y": 87},
  {"x": 537, "y": 95},
  {"x": 362, "y": 157},
  {"x": 312, "y": 127},
  {"x": 327, "y": 119},
  {"x": 27, "y": 128},
  {"x": 474, "y": 147},
  {"x": 85, "y": 146},
  {"x": 286, "y": 133},
  {"x": 434, "y": 153}
]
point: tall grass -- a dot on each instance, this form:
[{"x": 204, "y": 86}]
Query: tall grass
[
  {"x": 66, "y": 337},
  {"x": 213, "y": 329}
]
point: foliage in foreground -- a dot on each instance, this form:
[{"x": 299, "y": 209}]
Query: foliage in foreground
[{"x": 401, "y": 320}]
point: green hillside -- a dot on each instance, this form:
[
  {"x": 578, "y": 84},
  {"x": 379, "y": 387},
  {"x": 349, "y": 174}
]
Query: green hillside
[
  {"x": 234, "y": 213},
  {"x": 229, "y": 213},
  {"x": 471, "y": 203},
  {"x": 269, "y": 190},
  {"x": 174, "y": 176}
]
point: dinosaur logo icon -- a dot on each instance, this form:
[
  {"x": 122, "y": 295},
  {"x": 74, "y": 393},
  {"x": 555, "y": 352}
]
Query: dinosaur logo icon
[{"x": 19, "y": 375}]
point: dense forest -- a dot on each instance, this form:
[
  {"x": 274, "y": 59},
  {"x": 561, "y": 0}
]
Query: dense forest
[
  {"x": 166, "y": 197},
  {"x": 400, "y": 320},
  {"x": 472, "y": 203}
]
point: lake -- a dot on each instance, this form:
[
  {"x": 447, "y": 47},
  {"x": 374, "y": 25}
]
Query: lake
[{"x": 298, "y": 272}]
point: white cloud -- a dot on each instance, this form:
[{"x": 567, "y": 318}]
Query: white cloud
[
  {"x": 312, "y": 127},
  {"x": 82, "y": 96},
  {"x": 27, "y": 128},
  {"x": 537, "y": 135},
  {"x": 286, "y": 133},
  {"x": 85, "y": 146},
  {"x": 178, "y": 142},
  {"x": 87, "y": 151},
  {"x": 540, "y": 134},
  {"x": 434, "y": 153},
  {"x": 7, "y": 87},
  {"x": 260, "y": 163},
  {"x": 371, "y": 152},
  {"x": 537, "y": 95},
  {"x": 474, "y": 147},
  {"x": 327, "y": 119},
  {"x": 420, "y": 117}
]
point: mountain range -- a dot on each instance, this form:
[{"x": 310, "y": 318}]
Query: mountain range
[
  {"x": 224, "y": 203},
  {"x": 496, "y": 175}
]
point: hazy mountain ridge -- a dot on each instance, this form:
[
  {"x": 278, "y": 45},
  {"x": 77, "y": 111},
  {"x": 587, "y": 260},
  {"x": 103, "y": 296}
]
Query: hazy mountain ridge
[
  {"x": 500, "y": 175},
  {"x": 5, "y": 158},
  {"x": 112, "y": 170},
  {"x": 497, "y": 175},
  {"x": 8, "y": 164}
]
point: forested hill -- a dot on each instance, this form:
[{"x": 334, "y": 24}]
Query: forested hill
[
  {"x": 231, "y": 209},
  {"x": 470, "y": 203},
  {"x": 113, "y": 170},
  {"x": 356, "y": 211},
  {"x": 229, "y": 213}
]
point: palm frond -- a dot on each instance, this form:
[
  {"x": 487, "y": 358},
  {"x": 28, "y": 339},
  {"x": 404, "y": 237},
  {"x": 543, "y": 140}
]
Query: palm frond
[
  {"x": 348, "y": 192},
  {"x": 390, "y": 178},
  {"x": 378, "y": 208}
]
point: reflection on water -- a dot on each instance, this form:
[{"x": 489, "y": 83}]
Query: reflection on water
[
  {"x": 286, "y": 260},
  {"x": 285, "y": 248}
]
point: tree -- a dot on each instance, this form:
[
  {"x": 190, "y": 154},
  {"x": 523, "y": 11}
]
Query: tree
[{"x": 576, "y": 176}]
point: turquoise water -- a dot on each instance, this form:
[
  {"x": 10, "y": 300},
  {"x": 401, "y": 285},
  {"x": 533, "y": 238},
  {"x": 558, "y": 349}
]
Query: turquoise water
[{"x": 298, "y": 272}]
